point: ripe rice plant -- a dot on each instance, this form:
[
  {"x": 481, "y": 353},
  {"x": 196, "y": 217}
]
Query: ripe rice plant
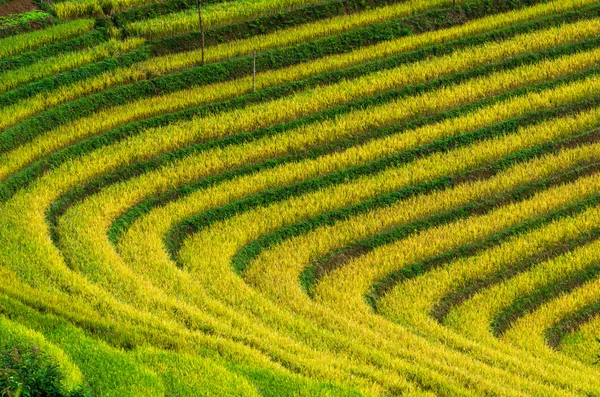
[
  {"x": 187, "y": 21},
  {"x": 171, "y": 63},
  {"x": 14, "y": 45},
  {"x": 263, "y": 115},
  {"x": 429, "y": 289},
  {"x": 392, "y": 177},
  {"x": 520, "y": 285},
  {"x": 582, "y": 343},
  {"x": 563, "y": 305},
  {"x": 402, "y": 200},
  {"x": 215, "y": 15},
  {"x": 51, "y": 66},
  {"x": 92, "y": 212}
]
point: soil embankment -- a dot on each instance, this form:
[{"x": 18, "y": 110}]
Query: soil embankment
[{"x": 16, "y": 7}]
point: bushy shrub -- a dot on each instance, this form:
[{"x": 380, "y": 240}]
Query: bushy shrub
[{"x": 28, "y": 372}]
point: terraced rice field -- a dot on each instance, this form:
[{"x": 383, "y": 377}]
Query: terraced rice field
[{"x": 404, "y": 199}]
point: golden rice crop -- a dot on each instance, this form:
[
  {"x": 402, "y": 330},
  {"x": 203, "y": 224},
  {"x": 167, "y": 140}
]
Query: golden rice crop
[
  {"x": 58, "y": 64},
  {"x": 480, "y": 309},
  {"x": 237, "y": 236},
  {"x": 47, "y": 184},
  {"x": 213, "y": 15},
  {"x": 327, "y": 199},
  {"x": 277, "y": 269},
  {"x": 159, "y": 324},
  {"x": 308, "y": 101},
  {"x": 415, "y": 73},
  {"x": 14, "y": 45},
  {"x": 311, "y": 31},
  {"x": 290, "y": 173},
  {"x": 169, "y": 63},
  {"x": 423, "y": 292},
  {"x": 412, "y": 301},
  {"x": 196, "y": 252},
  {"x": 581, "y": 345},
  {"x": 87, "y": 223},
  {"x": 75, "y": 9},
  {"x": 528, "y": 331},
  {"x": 187, "y": 21}
]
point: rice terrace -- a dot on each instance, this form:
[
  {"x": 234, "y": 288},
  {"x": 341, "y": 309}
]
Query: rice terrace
[{"x": 299, "y": 198}]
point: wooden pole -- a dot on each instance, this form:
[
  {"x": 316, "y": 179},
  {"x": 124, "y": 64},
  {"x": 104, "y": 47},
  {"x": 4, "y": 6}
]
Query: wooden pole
[
  {"x": 201, "y": 27},
  {"x": 254, "y": 71}
]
